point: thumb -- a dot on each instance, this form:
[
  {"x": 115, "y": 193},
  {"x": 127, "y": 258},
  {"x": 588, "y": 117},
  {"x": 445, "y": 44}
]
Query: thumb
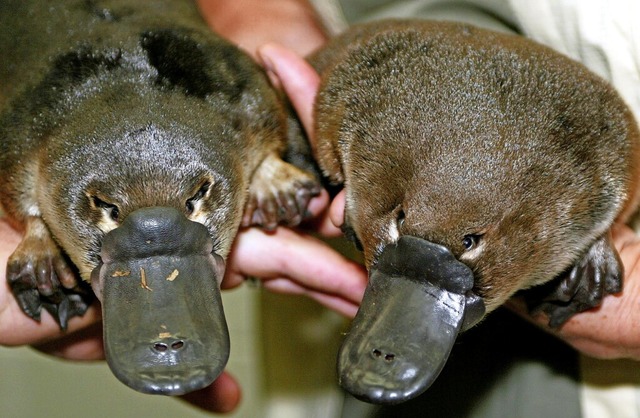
[{"x": 297, "y": 77}]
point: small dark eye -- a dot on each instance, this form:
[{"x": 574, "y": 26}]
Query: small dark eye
[
  {"x": 470, "y": 241},
  {"x": 401, "y": 218},
  {"x": 202, "y": 191},
  {"x": 111, "y": 209},
  {"x": 115, "y": 213}
]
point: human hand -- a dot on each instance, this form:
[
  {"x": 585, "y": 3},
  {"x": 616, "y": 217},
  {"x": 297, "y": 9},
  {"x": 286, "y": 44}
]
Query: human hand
[
  {"x": 251, "y": 23},
  {"x": 611, "y": 330}
]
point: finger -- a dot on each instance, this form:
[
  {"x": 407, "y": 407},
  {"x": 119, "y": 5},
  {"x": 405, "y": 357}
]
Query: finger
[
  {"x": 298, "y": 79},
  {"x": 336, "y": 303},
  {"x": 303, "y": 259},
  {"x": 324, "y": 225},
  {"x": 84, "y": 344},
  {"x": 327, "y": 216},
  {"x": 318, "y": 205},
  {"x": 16, "y": 328},
  {"x": 222, "y": 396},
  {"x": 336, "y": 210}
]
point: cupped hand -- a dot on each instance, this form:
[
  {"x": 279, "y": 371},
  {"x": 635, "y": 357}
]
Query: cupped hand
[{"x": 611, "y": 330}]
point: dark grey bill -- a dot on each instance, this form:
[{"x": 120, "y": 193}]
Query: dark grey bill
[
  {"x": 159, "y": 284},
  {"x": 417, "y": 301}
]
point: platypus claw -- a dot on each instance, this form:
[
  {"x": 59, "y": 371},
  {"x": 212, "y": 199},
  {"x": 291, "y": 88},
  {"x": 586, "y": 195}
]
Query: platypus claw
[
  {"x": 35, "y": 284},
  {"x": 72, "y": 304},
  {"x": 279, "y": 194},
  {"x": 282, "y": 208},
  {"x": 596, "y": 275}
]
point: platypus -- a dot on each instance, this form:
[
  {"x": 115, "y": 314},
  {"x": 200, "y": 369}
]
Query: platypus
[
  {"x": 134, "y": 143},
  {"x": 476, "y": 165}
]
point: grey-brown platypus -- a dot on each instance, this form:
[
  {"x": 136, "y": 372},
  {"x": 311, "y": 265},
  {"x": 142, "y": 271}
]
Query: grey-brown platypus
[
  {"x": 131, "y": 141},
  {"x": 475, "y": 165}
]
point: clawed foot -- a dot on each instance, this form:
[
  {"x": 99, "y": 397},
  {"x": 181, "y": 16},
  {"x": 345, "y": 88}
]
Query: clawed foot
[
  {"x": 279, "y": 193},
  {"x": 597, "y": 274},
  {"x": 39, "y": 276}
]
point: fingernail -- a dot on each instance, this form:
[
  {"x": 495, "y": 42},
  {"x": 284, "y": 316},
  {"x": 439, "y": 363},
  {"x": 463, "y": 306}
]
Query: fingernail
[
  {"x": 265, "y": 59},
  {"x": 269, "y": 68}
]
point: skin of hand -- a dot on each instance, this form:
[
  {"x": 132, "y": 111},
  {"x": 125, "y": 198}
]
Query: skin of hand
[
  {"x": 251, "y": 23},
  {"x": 610, "y": 331}
]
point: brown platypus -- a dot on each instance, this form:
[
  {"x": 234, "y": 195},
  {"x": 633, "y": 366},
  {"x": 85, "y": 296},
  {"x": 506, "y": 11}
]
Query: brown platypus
[
  {"x": 132, "y": 139},
  {"x": 475, "y": 165}
]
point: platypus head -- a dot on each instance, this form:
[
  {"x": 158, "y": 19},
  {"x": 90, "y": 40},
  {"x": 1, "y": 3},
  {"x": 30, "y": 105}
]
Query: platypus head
[
  {"x": 447, "y": 238},
  {"x": 147, "y": 202}
]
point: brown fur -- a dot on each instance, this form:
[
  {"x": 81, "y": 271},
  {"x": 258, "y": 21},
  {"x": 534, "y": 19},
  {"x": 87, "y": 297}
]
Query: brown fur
[{"x": 445, "y": 131}]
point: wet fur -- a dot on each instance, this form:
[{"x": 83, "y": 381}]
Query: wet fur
[{"x": 445, "y": 131}]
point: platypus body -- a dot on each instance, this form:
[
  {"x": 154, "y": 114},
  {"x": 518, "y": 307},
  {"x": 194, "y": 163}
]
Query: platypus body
[
  {"x": 132, "y": 141},
  {"x": 475, "y": 165}
]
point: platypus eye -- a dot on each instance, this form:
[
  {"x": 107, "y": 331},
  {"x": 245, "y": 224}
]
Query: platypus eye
[
  {"x": 470, "y": 241},
  {"x": 111, "y": 209},
  {"x": 400, "y": 219},
  {"x": 191, "y": 202}
]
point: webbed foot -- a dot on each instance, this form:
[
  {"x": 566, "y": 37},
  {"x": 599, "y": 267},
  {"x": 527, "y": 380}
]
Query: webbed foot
[
  {"x": 598, "y": 273},
  {"x": 39, "y": 275},
  {"x": 279, "y": 193}
]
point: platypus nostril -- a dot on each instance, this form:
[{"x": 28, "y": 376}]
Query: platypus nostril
[
  {"x": 388, "y": 357},
  {"x": 160, "y": 347}
]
